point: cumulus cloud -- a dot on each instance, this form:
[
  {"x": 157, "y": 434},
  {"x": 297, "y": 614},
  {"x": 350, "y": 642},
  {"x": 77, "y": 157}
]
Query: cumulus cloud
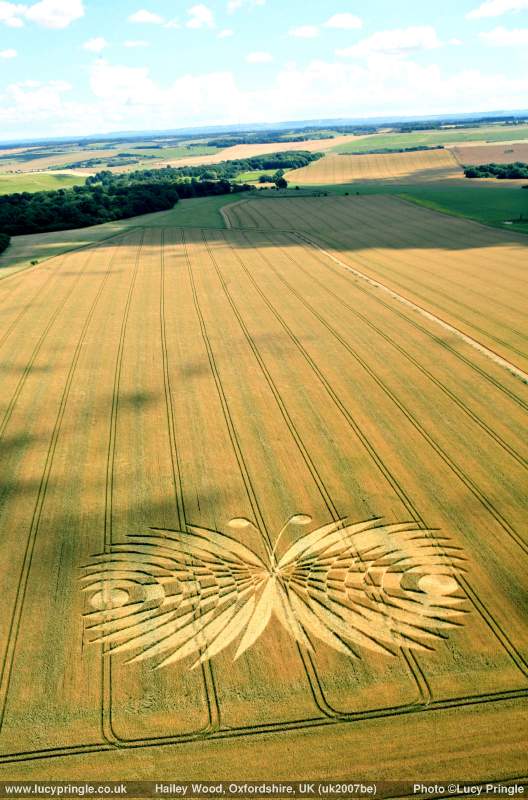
[
  {"x": 200, "y": 16},
  {"x": 305, "y": 32},
  {"x": 128, "y": 98},
  {"x": 496, "y": 8},
  {"x": 345, "y": 21},
  {"x": 8, "y": 53},
  {"x": 399, "y": 42},
  {"x": 96, "y": 45},
  {"x": 234, "y": 5},
  {"x": 11, "y": 14},
  {"x": 502, "y": 37},
  {"x": 145, "y": 17},
  {"x": 259, "y": 57},
  {"x": 48, "y": 13},
  {"x": 136, "y": 43},
  {"x": 225, "y": 33}
]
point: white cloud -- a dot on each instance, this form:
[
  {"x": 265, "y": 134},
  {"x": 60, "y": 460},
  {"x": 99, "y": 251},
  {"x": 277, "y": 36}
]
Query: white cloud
[
  {"x": 305, "y": 32},
  {"x": 96, "y": 45},
  {"x": 136, "y": 43},
  {"x": 496, "y": 8},
  {"x": 344, "y": 21},
  {"x": 399, "y": 42},
  {"x": 200, "y": 16},
  {"x": 173, "y": 23},
  {"x": 8, "y": 53},
  {"x": 10, "y": 14},
  {"x": 48, "y": 13},
  {"x": 225, "y": 33},
  {"x": 502, "y": 37},
  {"x": 234, "y": 5},
  {"x": 259, "y": 57},
  {"x": 455, "y": 42},
  {"x": 126, "y": 98},
  {"x": 147, "y": 17}
]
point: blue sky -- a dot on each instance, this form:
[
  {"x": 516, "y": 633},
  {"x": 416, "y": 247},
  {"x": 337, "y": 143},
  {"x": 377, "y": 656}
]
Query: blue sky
[{"x": 73, "y": 67}]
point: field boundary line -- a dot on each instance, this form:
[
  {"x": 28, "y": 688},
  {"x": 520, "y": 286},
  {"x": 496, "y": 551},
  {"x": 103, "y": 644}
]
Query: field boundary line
[
  {"x": 497, "y": 226},
  {"x": 272, "y": 728},
  {"x": 519, "y": 373}
]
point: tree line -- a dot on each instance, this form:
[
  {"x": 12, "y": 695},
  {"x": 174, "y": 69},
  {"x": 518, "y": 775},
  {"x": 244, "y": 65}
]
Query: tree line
[
  {"x": 93, "y": 204},
  {"x": 4, "y": 241},
  {"x": 107, "y": 196},
  {"x": 515, "y": 170},
  {"x": 225, "y": 170}
]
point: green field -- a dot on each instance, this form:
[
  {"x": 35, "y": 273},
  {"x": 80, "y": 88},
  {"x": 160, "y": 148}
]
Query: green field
[
  {"x": 166, "y": 153},
  {"x": 487, "y": 133},
  {"x": 37, "y": 182},
  {"x": 489, "y": 203},
  {"x": 252, "y": 177}
]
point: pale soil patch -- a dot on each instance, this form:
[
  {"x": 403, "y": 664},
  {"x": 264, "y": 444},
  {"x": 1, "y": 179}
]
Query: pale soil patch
[{"x": 500, "y": 153}]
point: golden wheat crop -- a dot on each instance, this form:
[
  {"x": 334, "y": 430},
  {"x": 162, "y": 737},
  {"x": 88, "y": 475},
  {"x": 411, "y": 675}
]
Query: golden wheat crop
[{"x": 245, "y": 492}]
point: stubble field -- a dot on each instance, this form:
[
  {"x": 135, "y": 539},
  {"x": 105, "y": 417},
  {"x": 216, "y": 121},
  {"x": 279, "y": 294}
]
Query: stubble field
[
  {"x": 505, "y": 153},
  {"x": 173, "y": 378}
]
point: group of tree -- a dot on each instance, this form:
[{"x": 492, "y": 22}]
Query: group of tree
[
  {"x": 268, "y": 138},
  {"x": 4, "y": 241},
  {"x": 95, "y": 203},
  {"x": 107, "y": 196},
  {"x": 224, "y": 170},
  {"x": 516, "y": 170}
]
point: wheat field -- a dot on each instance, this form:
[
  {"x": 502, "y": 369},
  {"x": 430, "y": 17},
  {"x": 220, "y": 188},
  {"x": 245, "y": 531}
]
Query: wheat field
[
  {"x": 414, "y": 167},
  {"x": 204, "y": 436}
]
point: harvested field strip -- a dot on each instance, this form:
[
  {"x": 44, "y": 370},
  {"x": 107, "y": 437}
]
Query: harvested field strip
[
  {"x": 382, "y": 253},
  {"x": 488, "y": 153},
  {"x": 418, "y": 166}
]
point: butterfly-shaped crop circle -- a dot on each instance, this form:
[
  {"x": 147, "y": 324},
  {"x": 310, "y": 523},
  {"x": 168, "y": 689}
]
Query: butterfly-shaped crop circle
[{"x": 172, "y": 594}]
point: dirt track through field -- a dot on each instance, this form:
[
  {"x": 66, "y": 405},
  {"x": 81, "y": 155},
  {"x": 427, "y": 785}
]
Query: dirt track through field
[{"x": 469, "y": 277}]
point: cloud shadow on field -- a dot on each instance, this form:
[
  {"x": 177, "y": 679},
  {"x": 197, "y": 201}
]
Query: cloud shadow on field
[{"x": 19, "y": 369}]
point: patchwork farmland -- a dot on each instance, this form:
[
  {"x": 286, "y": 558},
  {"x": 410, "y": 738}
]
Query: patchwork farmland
[{"x": 188, "y": 415}]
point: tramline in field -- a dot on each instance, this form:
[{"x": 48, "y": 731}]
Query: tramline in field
[{"x": 207, "y": 433}]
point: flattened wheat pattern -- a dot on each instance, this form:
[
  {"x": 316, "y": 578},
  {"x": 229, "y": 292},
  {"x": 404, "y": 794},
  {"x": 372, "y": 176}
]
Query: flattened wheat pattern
[{"x": 167, "y": 595}]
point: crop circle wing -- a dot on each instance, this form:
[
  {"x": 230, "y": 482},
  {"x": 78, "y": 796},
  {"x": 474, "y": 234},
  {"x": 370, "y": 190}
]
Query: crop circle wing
[
  {"x": 171, "y": 594},
  {"x": 382, "y": 587}
]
